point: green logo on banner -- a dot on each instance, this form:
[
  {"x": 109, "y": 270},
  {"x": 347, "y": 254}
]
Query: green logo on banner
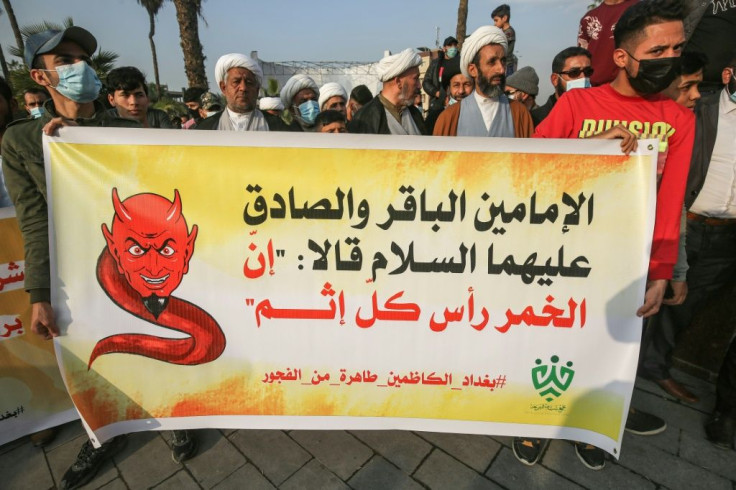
[{"x": 551, "y": 380}]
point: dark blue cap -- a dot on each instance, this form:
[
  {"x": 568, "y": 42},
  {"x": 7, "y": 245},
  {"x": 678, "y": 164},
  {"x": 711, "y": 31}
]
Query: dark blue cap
[{"x": 46, "y": 41}]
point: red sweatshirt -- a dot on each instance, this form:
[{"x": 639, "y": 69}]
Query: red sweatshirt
[
  {"x": 582, "y": 113},
  {"x": 595, "y": 34}
]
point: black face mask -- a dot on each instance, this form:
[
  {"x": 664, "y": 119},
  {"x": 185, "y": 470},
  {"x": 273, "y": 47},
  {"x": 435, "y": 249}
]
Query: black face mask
[{"x": 654, "y": 75}]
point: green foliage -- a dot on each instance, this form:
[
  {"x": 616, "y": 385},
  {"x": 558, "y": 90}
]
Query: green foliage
[
  {"x": 271, "y": 88},
  {"x": 103, "y": 61},
  {"x": 175, "y": 110},
  {"x": 170, "y": 106},
  {"x": 20, "y": 80}
]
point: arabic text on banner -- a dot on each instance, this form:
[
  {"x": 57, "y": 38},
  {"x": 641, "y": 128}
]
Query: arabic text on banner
[{"x": 33, "y": 396}]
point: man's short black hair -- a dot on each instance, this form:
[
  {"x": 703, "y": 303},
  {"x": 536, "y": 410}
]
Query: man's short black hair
[
  {"x": 450, "y": 41},
  {"x": 192, "y": 94},
  {"x": 502, "y": 11},
  {"x": 642, "y": 14},
  {"x": 558, "y": 63},
  {"x": 125, "y": 78},
  {"x": 691, "y": 62},
  {"x": 361, "y": 94},
  {"x": 37, "y": 90},
  {"x": 5, "y": 91},
  {"x": 328, "y": 117}
]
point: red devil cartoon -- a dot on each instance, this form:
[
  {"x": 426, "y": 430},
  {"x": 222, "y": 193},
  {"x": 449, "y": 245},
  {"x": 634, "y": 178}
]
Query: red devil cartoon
[{"x": 146, "y": 257}]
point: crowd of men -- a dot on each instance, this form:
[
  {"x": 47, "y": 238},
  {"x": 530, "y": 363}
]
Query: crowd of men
[{"x": 635, "y": 73}]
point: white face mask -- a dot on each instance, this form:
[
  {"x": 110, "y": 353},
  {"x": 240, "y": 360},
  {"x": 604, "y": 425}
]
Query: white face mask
[
  {"x": 37, "y": 112},
  {"x": 578, "y": 83}
]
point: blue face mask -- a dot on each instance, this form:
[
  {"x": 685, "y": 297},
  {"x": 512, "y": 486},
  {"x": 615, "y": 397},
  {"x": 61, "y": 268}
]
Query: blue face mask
[
  {"x": 579, "y": 83},
  {"x": 308, "y": 111},
  {"x": 37, "y": 112},
  {"x": 451, "y": 52},
  {"x": 78, "y": 82}
]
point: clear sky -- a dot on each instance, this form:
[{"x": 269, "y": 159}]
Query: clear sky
[{"x": 304, "y": 30}]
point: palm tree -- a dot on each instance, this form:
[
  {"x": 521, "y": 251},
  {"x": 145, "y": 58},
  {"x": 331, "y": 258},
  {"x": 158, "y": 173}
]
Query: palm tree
[
  {"x": 153, "y": 7},
  {"x": 13, "y": 23},
  {"x": 462, "y": 21},
  {"x": 187, "y": 13},
  {"x": 4, "y": 66},
  {"x": 103, "y": 61}
]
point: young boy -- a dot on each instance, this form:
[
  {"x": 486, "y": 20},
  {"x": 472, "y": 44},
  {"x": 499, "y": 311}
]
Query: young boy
[
  {"x": 331, "y": 122},
  {"x": 501, "y": 16}
]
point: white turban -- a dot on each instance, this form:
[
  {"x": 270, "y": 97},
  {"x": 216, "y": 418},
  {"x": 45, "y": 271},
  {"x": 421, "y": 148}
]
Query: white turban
[
  {"x": 237, "y": 60},
  {"x": 483, "y": 36},
  {"x": 270, "y": 104},
  {"x": 329, "y": 90},
  {"x": 396, "y": 64},
  {"x": 294, "y": 85}
]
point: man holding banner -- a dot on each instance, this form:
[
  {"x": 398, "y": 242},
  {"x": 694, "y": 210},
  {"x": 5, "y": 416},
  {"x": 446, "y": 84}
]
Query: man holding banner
[
  {"x": 649, "y": 38},
  {"x": 59, "y": 61}
]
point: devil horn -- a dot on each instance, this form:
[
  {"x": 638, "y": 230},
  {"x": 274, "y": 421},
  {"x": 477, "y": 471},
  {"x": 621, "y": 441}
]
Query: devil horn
[
  {"x": 174, "y": 212},
  {"x": 120, "y": 211}
]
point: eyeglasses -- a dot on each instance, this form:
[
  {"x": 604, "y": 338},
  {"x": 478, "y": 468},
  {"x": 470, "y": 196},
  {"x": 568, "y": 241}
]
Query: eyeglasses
[
  {"x": 511, "y": 92},
  {"x": 575, "y": 72}
]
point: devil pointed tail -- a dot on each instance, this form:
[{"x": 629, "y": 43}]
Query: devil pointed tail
[{"x": 205, "y": 341}]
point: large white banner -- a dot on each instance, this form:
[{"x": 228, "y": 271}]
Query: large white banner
[{"x": 212, "y": 279}]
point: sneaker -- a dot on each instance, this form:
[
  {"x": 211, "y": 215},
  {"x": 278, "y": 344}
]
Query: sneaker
[
  {"x": 644, "y": 424},
  {"x": 183, "y": 445},
  {"x": 529, "y": 451},
  {"x": 591, "y": 456},
  {"x": 89, "y": 460}
]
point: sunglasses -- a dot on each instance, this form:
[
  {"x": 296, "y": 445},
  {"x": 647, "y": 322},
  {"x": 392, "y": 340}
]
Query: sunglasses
[{"x": 575, "y": 72}]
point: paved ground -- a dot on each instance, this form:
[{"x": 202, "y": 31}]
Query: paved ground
[{"x": 254, "y": 459}]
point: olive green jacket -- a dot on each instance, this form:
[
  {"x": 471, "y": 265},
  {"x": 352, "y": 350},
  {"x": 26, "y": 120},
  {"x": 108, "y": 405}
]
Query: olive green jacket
[{"x": 25, "y": 179}]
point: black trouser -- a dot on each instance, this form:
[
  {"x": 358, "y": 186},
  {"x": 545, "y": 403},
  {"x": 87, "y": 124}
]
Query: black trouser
[{"x": 711, "y": 256}]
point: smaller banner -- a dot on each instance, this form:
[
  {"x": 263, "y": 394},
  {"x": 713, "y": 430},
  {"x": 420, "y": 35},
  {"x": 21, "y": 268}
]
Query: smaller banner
[{"x": 32, "y": 393}]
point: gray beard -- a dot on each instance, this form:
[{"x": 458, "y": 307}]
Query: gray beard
[{"x": 488, "y": 89}]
